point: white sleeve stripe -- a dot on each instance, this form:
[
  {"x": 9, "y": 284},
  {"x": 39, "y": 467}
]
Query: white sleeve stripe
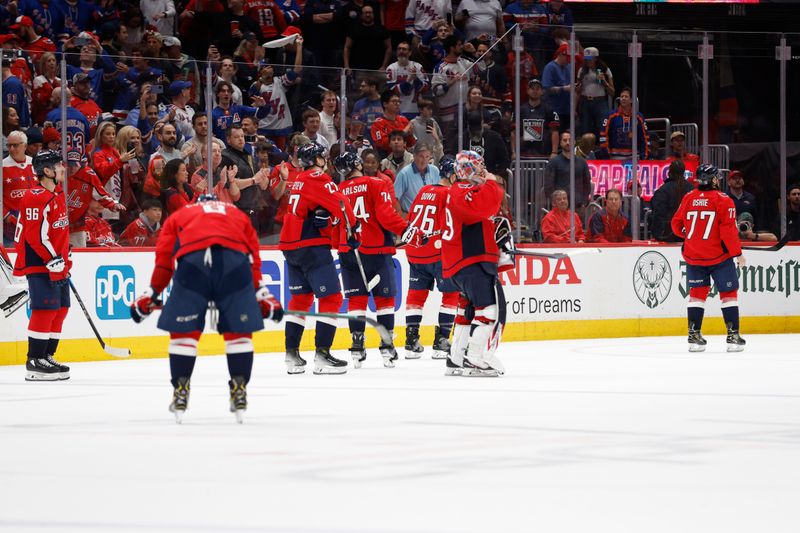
[{"x": 45, "y": 232}]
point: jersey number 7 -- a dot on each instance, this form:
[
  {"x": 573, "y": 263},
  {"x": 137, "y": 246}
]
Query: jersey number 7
[{"x": 706, "y": 217}]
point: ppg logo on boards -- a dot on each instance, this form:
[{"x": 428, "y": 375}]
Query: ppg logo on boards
[{"x": 114, "y": 292}]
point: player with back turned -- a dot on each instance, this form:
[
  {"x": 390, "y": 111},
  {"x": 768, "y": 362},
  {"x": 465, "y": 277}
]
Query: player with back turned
[
  {"x": 215, "y": 248},
  {"x": 706, "y": 220},
  {"x": 470, "y": 257},
  {"x": 42, "y": 246}
]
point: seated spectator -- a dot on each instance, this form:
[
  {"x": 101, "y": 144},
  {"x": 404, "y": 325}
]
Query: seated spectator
[
  {"x": 556, "y": 224},
  {"x": 43, "y": 86},
  {"x": 666, "y": 200},
  {"x": 407, "y": 80},
  {"x": 250, "y": 180},
  {"x": 227, "y": 113},
  {"x": 98, "y": 230},
  {"x": 595, "y": 86},
  {"x": 616, "y": 139},
  {"x": 540, "y": 124},
  {"x": 587, "y": 144},
  {"x": 145, "y": 229},
  {"x": 175, "y": 189},
  {"x": 677, "y": 141},
  {"x": 609, "y": 224},
  {"x": 556, "y": 174},
  {"x": 225, "y": 187},
  {"x": 793, "y": 212},
  {"x": 746, "y": 210},
  {"x": 369, "y": 107},
  {"x": 311, "y": 124},
  {"x": 412, "y": 178},
  {"x": 398, "y": 157},
  {"x": 427, "y": 130},
  {"x": 368, "y": 45},
  {"x": 480, "y": 19},
  {"x": 329, "y": 117},
  {"x": 390, "y": 121}
]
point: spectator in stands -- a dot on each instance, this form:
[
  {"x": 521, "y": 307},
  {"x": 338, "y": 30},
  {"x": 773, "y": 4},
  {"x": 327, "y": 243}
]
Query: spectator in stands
[
  {"x": 311, "y": 125},
  {"x": 179, "y": 93},
  {"x": 556, "y": 82},
  {"x": 427, "y": 130},
  {"x": 167, "y": 137},
  {"x": 527, "y": 72},
  {"x": 540, "y": 125},
  {"x": 98, "y": 230},
  {"x": 159, "y": 14},
  {"x": 587, "y": 145},
  {"x": 616, "y": 136},
  {"x": 556, "y": 175},
  {"x": 322, "y": 28},
  {"x": 487, "y": 143},
  {"x": 108, "y": 164},
  {"x": 35, "y": 141},
  {"x": 328, "y": 117},
  {"x": 532, "y": 18},
  {"x": 145, "y": 229},
  {"x": 277, "y": 123},
  {"x": 390, "y": 121},
  {"x": 83, "y": 101},
  {"x": 227, "y": 113},
  {"x": 355, "y": 140},
  {"x": 416, "y": 175},
  {"x": 137, "y": 116},
  {"x": 52, "y": 138},
  {"x": 88, "y": 60},
  {"x": 493, "y": 79},
  {"x": 398, "y": 156},
  {"x": 482, "y": 19},
  {"x": 666, "y": 200},
  {"x": 18, "y": 177},
  {"x": 175, "y": 189},
  {"x": 421, "y": 15},
  {"x": 203, "y": 22},
  {"x": 235, "y": 24},
  {"x": 14, "y": 96},
  {"x": 368, "y": 108},
  {"x": 595, "y": 86},
  {"x": 134, "y": 171},
  {"x": 133, "y": 21},
  {"x": 793, "y": 212},
  {"x": 559, "y": 16},
  {"x": 746, "y": 209},
  {"x": 199, "y": 138},
  {"x": 43, "y": 86},
  {"x": 556, "y": 224},
  {"x": 407, "y": 79},
  {"x": 225, "y": 186},
  {"x": 350, "y": 12},
  {"x": 610, "y": 224},
  {"x": 677, "y": 141},
  {"x": 181, "y": 67},
  {"x": 226, "y": 72},
  {"x": 449, "y": 77},
  {"x": 368, "y": 45},
  {"x": 248, "y": 56},
  {"x": 10, "y": 125},
  {"x": 34, "y": 44},
  {"x": 249, "y": 179}
]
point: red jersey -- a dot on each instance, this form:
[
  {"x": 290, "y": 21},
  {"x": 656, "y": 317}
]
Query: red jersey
[
  {"x": 268, "y": 15},
  {"x": 372, "y": 206},
  {"x": 176, "y": 198},
  {"x": 42, "y": 232},
  {"x": 468, "y": 237},
  {"x": 427, "y": 214},
  {"x": 706, "y": 220},
  {"x": 200, "y": 226},
  {"x": 275, "y": 180},
  {"x": 80, "y": 187},
  {"x": 100, "y": 233},
  {"x": 90, "y": 110},
  {"x": 312, "y": 189},
  {"x": 383, "y": 127},
  {"x": 556, "y": 226},
  {"x": 106, "y": 163},
  {"x": 140, "y": 233},
  {"x": 38, "y": 47},
  {"x": 40, "y": 100},
  {"x": 17, "y": 178}
]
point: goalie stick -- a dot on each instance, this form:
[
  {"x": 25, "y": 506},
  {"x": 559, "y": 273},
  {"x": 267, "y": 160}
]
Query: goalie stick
[
  {"x": 386, "y": 337},
  {"x": 774, "y": 248},
  {"x": 114, "y": 352},
  {"x": 374, "y": 281}
]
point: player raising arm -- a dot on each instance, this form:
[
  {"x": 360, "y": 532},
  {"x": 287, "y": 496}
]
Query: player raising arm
[
  {"x": 216, "y": 251},
  {"x": 706, "y": 220}
]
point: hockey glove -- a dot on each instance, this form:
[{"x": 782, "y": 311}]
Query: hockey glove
[
  {"x": 412, "y": 236},
  {"x": 270, "y": 307},
  {"x": 353, "y": 238},
  {"x": 322, "y": 218},
  {"x": 56, "y": 265},
  {"x": 502, "y": 234},
  {"x": 145, "y": 304}
]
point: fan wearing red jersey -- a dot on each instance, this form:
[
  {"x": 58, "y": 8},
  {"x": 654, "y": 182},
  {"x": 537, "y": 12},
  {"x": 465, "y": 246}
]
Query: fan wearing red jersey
[
  {"x": 470, "y": 256},
  {"x": 372, "y": 206},
  {"x": 306, "y": 238},
  {"x": 82, "y": 184},
  {"x": 706, "y": 221},
  {"x": 216, "y": 251},
  {"x": 425, "y": 266},
  {"x": 42, "y": 246}
]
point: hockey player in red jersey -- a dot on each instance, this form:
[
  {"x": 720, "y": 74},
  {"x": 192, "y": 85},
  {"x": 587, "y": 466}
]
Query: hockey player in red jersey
[
  {"x": 425, "y": 266},
  {"x": 470, "y": 256},
  {"x": 372, "y": 206},
  {"x": 42, "y": 246},
  {"x": 314, "y": 208},
  {"x": 216, "y": 251},
  {"x": 706, "y": 220}
]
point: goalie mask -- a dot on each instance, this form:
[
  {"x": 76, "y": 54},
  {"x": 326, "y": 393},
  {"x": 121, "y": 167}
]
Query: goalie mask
[{"x": 470, "y": 166}]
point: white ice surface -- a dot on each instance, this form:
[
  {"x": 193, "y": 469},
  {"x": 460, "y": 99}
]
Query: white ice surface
[{"x": 622, "y": 435}]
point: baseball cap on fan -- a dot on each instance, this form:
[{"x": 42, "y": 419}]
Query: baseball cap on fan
[
  {"x": 22, "y": 21},
  {"x": 169, "y": 40},
  {"x": 590, "y": 52}
]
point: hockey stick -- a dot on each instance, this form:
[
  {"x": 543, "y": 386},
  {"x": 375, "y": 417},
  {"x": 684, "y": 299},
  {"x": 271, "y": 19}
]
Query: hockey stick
[
  {"x": 386, "y": 337},
  {"x": 556, "y": 255},
  {"x": 114, "y": 352},
  {"x": 774, "y": 248},
  {"x": 377, "y": 279}
]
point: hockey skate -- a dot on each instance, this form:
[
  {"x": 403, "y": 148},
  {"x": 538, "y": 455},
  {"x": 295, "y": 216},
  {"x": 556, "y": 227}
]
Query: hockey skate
[
  {"x": 357, "y": 351},
  {"x": 238, "y": 397},
  {"x": 389, "y": 354},
  {"x": 441, "y": 345},
  {"x": 413, "y": 348},
  {"x": 696, "y": 341},
  {"x": 452, "y": 368},
  {"x": 325, "y": 363},
  {"x": 43, "y": 369},
  {"x": 294, "y": 363},
  {"x": 735, "y": 341},
  {"x": 180, "y": 399}
]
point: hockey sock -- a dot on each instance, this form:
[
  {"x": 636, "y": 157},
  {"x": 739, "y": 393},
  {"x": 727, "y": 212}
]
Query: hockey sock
[
  {"x": 296, "y": 325},
  {"x": 385, "y": 305},
  {"x": 326, "y": 327},
  {"x": 415, "y": 301},
  {"x": 39, "y": 328},
  {"x": 696, "y": 307},
  {"x": 357, "y": 305},
  {"x": 447, "y": 313},
  {"x": 182, "y": 355},
  {"x": 55, "y": 330},
  {"x": 730, "y": 309},
  {"x": 239, "y": 352}
]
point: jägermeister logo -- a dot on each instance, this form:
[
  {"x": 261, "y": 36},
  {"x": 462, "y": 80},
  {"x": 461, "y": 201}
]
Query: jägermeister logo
[{"x": 652, "y": 279}]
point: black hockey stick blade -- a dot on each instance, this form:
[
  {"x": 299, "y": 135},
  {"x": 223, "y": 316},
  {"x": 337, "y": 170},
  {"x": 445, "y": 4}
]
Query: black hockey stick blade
[
  {"x": 556, "y": 255},
  {"x": 13, "y": 303},
  {"x": 110, "y": 350},
  {"x": 774, "y": 248},
  {"x": 386, "y": 337}
]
